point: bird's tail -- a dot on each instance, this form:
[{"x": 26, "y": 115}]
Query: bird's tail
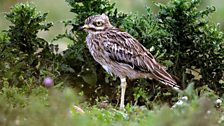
[{"x": 164, "y": 77}]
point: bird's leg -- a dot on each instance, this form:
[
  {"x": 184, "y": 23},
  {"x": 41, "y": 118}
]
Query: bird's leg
[{"x": 123, "y": 88}]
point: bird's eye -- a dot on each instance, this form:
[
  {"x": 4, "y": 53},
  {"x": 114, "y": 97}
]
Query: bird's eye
[{"x": 98, "y": 23}]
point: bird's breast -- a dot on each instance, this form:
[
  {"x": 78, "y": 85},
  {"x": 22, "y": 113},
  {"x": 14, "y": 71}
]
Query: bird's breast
[
  {"x": 90, "y": 44},
  {"x": 96, "y": 50}
]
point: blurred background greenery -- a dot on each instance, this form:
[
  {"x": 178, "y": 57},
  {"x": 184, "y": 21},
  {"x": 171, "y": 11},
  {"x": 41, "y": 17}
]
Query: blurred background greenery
[{"x": 59, "y": 10}]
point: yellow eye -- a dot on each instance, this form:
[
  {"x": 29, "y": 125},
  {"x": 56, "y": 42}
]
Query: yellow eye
[{"x": 98, "y": 23}]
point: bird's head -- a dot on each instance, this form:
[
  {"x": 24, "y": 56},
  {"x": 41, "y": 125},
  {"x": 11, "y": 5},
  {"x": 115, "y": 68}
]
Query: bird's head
[{"x": 96, "y": 23}]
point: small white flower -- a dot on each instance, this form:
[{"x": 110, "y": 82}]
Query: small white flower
[
  {"x": 185, "y": 98},
  {"x": 209, "y": 112},
  {"x": 179, "y": 103},
  {"x": 218, "y": 101},
  {"x": 152, "y": 49}
]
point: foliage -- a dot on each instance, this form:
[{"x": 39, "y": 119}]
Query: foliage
[
  {"x": 24, "y": 56},
  {"x": 41, "y": 106},
  {"x": 26, "y": 24},
  {"x": 182, "y": 38},
  {"x": 147, "y": 31},
  {"x": 193, "y": 44}
]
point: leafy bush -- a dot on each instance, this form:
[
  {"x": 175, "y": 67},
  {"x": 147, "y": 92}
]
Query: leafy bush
[
  {"x": 193, "y": 44},
  {"x": 27, "y": 22},
  {"x": 182, "y": 38},
  {"x": 147, "y": 31},
  {"x": 24, "y": 56}
]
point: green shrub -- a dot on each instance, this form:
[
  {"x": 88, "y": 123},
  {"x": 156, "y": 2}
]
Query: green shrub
[
  {"x": 25, "y": 57},
  {"x": 182, "y": 38},
  {"x": 26, "y": 23},
  {"x": 193, "y": 43},
  {"x": 147, "y": 31}
]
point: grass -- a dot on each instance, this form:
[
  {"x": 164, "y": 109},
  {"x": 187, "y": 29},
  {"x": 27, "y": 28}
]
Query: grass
[{"x": 58, "y": 107}]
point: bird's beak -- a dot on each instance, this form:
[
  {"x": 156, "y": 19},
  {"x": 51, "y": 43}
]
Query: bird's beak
[{"x": 84, "y": 27}]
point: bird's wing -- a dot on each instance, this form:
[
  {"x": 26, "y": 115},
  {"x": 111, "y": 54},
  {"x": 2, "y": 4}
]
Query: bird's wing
[{"x": 123, "y": 48}]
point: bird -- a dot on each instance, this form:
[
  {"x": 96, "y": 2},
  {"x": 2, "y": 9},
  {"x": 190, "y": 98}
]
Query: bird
[{"x": 122, "y": 55}]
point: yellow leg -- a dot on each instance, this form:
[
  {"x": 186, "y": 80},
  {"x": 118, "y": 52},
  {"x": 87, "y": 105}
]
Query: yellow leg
[{"x": 123, "y": 88}]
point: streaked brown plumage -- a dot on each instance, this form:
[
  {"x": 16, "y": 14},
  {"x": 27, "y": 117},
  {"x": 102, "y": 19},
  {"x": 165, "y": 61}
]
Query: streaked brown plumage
[{"x": 121, "y": 54}]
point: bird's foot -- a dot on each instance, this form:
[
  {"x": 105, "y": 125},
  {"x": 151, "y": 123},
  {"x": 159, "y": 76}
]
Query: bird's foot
[{"x": 122, "y": 107}]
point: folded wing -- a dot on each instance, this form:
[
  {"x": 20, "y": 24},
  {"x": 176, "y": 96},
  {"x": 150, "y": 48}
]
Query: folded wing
[{"x": 123, "y": 48}]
